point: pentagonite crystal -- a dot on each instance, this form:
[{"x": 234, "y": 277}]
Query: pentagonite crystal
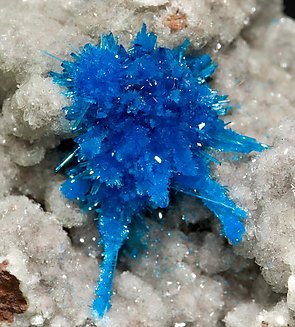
[{"x": 145, "y": 120}]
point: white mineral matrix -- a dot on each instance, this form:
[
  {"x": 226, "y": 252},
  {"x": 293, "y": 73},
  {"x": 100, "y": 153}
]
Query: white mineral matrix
[{"x": 48, "y": 248}]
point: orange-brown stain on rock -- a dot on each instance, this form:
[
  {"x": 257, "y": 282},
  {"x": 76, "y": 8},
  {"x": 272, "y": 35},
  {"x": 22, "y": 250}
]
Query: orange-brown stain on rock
[
  {"x": 12, "y": 300},
  {"x": 176, "y": 21}
]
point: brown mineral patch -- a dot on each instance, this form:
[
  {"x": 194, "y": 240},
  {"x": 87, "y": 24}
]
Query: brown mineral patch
[
  {"x": 11, "y": 298},
  {"x": 176, "y": 21}
]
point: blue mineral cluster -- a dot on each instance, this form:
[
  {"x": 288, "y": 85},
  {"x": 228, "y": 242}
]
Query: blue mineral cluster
[{"x": 146, "y": 121}]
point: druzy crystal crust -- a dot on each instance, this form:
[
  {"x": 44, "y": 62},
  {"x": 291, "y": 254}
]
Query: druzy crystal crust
[{"x": 146, "y": 122}]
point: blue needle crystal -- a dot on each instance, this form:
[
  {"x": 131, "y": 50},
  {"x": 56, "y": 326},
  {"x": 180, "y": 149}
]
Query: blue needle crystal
[{"x": 145, "y": 120}]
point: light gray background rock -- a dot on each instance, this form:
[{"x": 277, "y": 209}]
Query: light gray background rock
[{"x": 188, "y": 275}]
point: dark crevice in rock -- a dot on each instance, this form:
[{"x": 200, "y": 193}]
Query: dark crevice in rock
[
  {"x": 289, "y": 8},
  {"x": 8, "y": 85}
]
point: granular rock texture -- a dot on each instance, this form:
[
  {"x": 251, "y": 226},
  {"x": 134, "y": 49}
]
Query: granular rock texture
[
  {"x": 185, "y": 273},
  {"x": 49, "y": 269}
]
